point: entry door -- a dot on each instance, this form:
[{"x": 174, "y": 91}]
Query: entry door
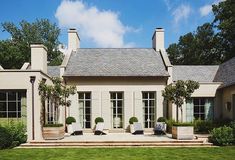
[
  {"x": 233, "y": 106},
  {"x": 116, "y": 99}
]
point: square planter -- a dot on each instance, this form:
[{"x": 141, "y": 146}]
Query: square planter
[
  {"x": 53, "y": 133},
  {"x": 182, "y": 132}
]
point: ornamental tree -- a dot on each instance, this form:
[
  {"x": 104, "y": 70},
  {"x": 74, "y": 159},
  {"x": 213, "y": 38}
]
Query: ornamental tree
[
  {"x": 56, "y": 94},
  {"x": 180, "y": 92}
]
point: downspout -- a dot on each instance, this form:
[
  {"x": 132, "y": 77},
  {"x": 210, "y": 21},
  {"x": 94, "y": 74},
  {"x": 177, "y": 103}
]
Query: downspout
[{"x": 32, "y": 80}]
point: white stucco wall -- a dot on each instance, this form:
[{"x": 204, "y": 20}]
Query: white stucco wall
[
  {"x": 228, "y": 92},
  {"x": 132, "y": 89},
  {"x": 21, "y": 80}
]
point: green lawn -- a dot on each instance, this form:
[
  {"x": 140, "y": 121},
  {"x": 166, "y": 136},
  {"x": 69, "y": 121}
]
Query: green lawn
[{"x": 215, "y": 153}]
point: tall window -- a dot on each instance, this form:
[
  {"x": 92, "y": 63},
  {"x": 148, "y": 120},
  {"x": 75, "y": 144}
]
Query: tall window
[
  {"x": 84, "y": 100},
  {"x": 52, "y": 113},
  {"x": 149, "y": 101},
  {"x": 199, "y": 108},
  {"x": 116, "y": 99},
  {"x": 12, "y": 104}
]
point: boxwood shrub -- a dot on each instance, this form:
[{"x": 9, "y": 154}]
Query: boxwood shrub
[
  {"x": 222, "y": 136},
  {"x": 99, "y": 119},
  {"x": 132, "y": 120},
  {"x": 70, "y": 120},
  {"x": 5, "y": 138}
]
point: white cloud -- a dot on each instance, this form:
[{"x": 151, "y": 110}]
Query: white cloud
[
  {"x": 181, "y": 13},
  {"x": 207, "y": 9},
  {"x": 102, "y": 27}
]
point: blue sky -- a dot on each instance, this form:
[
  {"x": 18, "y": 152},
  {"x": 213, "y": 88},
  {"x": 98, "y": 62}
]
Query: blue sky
[{"x": 113, "y": 23}]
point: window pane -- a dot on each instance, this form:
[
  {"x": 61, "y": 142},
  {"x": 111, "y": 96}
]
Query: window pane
[
  {"x": 3, "y": 115},
  {"x": 88, "y": 95},
  {"x": 202, "y": 102},
  {"x": 2, "y": 96},
  {"x": 151, "y": 95},
  {"x": 119, "y": 95},
  {"x": 196, "y": 101},
  {"x": 3, "y": 106},
  {"x": 196, "y": 109},
  {"x": 202, "y": 109},
  {"x": 80, "y": 95},
  {"x": 12, "y": 106},
  {"x": 88, "y": 103},
  {"x": 145, "y": 95},
  {"x": 151, "y": 103},
  {"x": 11, "y": 96},
  {"x": 119, "y": 103},
  {"x": 12, "y": 114},
  {"x": 88, "y": 110},
  {"x": 112, "y": 95}
]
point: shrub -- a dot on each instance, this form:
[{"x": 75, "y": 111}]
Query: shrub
[
  {"x": 17, "y": 131},
  {"x": 5, "y": 138},
  {"x": 161, "y": 119},
  {"x": 70, "y": 120},
  {"x": 53, "y": 125},
  {"x": 232, "y": 125},
  {"x": 202, "y": 126},
  {"x": 99, "y": 119},
  {"x": 132, "y": 120},
  {"x": 221, "y": 136}
]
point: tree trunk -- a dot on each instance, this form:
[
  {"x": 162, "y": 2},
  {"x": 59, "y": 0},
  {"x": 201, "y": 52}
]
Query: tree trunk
[
  {"x": 177, "y": 113},
  {"x": 181, "y": 113}
]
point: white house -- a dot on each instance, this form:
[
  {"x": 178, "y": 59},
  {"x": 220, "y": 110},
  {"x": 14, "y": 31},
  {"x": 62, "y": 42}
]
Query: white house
[{"x": 116, "y": 84}]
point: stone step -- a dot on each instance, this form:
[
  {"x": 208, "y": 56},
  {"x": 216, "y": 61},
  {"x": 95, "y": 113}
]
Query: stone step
[{"x": 116, "y": 144}]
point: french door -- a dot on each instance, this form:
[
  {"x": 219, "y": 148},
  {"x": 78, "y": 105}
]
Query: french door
[
  {"x": 116, "y": 99},
  {"x": 149, "y": 107},
  {"x": 84, "y": 100}
]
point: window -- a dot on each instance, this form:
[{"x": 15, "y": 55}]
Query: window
[
  {"x": 199, "y": 108},
  {"x": 84, "y": 100},
  {"x": 116, "y": 99},
  {"x": 149, "y": 107},
  {"x": 52, "y": 113},
  {"x": 11, "y": 104}
]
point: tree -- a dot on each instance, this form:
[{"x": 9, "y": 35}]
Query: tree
[
  {"x": 178, "y": 93},
  {"x": 15, "y": 51},
  {"x": 199, "y": 47},
  {"x": 225, "y": 22},
  {"x": 56, "y": 94},
  {"x": 211, "y": 43}
]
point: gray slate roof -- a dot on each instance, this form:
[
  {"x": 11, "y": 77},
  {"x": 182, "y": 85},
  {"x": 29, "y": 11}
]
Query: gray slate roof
[
  {"x": 53, "y": 71},
  {"x": 202, "y": 73},
  {"x": 226, "y": 73},
  {"x": 115, "y": 62}
]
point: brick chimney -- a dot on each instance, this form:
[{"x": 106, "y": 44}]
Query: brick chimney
[{"x": 38, "y": 57}]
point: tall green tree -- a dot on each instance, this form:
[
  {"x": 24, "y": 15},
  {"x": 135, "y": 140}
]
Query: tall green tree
[
  {"x": 178, "y": 93},
  {"x": 211, "y": 43},
  {"x": 225, "y": 22},
  {"x": 15, "y": 51}
]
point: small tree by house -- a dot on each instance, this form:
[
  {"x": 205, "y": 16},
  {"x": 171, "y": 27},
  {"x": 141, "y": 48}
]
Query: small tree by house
[
  {"x": 180, "y": 92},
  {"x": 56, "y": 95}
]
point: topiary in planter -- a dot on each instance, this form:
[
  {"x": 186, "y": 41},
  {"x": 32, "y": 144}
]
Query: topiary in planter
[
  {"x": 70, "y": 120},
  {"x": 133, "y": 119},
  {"x": 161, "y": 119},
  {"x": 99, "y": 119}
]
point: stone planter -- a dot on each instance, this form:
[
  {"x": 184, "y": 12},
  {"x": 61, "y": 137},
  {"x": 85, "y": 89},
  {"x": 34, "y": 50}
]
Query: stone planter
[
  {"x": 69, "y": 129},
  {"x": 50, "y": 133},
  {"x": 132, "y": 128},
  {"x": 182, "y": 132}
]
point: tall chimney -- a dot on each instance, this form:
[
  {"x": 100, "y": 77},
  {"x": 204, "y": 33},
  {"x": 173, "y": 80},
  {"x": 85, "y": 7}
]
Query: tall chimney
[
  {"x": 158, "y": 39},
  {"x": 73, "y": 40},
  {"x": 38, "y": 57}
]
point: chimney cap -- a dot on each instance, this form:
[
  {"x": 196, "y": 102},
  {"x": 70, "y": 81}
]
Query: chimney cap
[
  {"x": 73, "y": 30},
  {"x": 38, "y": 45}
]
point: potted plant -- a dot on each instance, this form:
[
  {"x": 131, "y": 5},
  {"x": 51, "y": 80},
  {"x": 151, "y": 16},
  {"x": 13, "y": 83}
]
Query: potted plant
[
  {"x": 160, "y": 127},
  {"x": 99, "y": 119},
  {"x": 53, "y": 131},
  {"x": 69, "y": 121},
  {"x": 183, "y": 131},
  {"x": 131, "y": 121},
  {"x": 55, "y": 95}
]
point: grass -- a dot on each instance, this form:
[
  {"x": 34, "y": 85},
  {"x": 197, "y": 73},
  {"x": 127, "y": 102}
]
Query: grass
[{"x": 215, "y": 153}]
